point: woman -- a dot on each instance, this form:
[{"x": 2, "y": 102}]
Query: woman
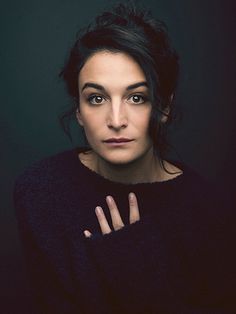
[{"x": 114, "y": 227}]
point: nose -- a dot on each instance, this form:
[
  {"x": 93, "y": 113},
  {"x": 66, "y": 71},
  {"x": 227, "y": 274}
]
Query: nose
[{"x": 117, "y": 116}]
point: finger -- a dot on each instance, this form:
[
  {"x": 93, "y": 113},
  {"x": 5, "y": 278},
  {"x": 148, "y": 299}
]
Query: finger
[
  {"x": 102, "y": 220},
  {"x": 115, "y": 215},
  {"x": 133, "y": 208},
  {"x": 87, "y": 233}
]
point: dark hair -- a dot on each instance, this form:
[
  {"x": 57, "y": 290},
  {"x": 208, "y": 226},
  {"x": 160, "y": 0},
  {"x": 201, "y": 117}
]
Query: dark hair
[{"x": 130, "y": 29}]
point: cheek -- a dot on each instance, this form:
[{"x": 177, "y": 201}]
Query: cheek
[
  {"x": 142, "y": 120},
  {"x": 92, "y": 126},
  {"x": 88, "y": 119}
]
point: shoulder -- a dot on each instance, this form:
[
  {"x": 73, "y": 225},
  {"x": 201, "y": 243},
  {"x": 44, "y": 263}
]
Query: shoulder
[
  {"x": 43, "y": 170},
  {"x": 200, "y": 196},
  {"x": 42, "y": 181},
  {"x": 186, "y": 178},
  {"x": 212, "y": 203}
]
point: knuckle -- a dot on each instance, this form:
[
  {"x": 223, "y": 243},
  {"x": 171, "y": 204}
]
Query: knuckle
[
  {"x": 118, "y": 226},
  {"x": 112, "y": 208},
  {"x": 134, "y": 220},
  {"x": 106, "y": 232}
]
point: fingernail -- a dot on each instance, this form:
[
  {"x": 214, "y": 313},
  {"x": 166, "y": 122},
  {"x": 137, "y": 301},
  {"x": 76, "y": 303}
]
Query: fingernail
[
  {"x": 109, "y": 198},
  {"x": 131, "y": 196},
  {"x": 98, "y": 210}
]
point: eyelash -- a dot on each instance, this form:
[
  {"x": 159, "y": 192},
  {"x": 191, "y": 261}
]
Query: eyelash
[{"x": 92, "y": 97}]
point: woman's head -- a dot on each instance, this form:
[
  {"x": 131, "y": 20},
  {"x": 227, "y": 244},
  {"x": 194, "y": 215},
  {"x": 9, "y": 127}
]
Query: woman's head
[{"x": 136, "y": 33}]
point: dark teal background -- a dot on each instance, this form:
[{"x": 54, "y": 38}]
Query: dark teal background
[{"x": 35, "y": 37}]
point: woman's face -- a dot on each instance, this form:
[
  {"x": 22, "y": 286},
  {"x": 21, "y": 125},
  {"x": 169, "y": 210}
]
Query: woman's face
[{"x": 114, "y": 107}]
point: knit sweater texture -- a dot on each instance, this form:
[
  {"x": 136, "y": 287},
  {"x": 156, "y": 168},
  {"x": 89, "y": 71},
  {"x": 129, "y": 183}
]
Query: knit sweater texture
[{"x": 177, "y": 259}]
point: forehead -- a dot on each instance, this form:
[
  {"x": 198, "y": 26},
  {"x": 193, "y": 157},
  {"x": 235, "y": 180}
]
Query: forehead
[{"x": 107, "y": 67}]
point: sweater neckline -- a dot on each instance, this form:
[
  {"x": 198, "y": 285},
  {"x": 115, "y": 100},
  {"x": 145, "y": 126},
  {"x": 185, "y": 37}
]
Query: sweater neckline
[{"x": 105, "y": 181}]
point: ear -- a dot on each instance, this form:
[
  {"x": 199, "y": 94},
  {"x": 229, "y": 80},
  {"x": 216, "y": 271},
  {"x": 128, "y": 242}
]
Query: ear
[
  {"x": 164, "y": 118},
  {"x": 79, "y": 117},
  {"x": 171, "y": 97}
]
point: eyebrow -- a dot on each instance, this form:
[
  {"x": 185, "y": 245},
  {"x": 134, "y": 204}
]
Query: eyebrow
[{"x": 100, "y": 87}]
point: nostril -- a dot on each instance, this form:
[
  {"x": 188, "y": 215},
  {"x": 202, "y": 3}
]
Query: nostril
[
  {"x": 117, "y": 126},
  {"x": 117, "y": 123}
]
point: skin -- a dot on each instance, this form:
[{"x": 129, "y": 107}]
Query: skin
[
  {"x": 115, "y": 215},
  {"x": 117, "y": 108}
]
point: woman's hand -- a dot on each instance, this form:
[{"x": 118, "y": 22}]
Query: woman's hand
[{"x": 115, "y": 215}]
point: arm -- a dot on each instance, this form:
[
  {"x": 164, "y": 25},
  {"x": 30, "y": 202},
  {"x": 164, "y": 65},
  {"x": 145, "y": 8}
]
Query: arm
[{"x": 44, "y": 245}]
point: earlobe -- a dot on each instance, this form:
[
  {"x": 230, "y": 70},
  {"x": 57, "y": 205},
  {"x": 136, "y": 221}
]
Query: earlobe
[
  {"x": 164, "y": 117},
  {"x": 78, "y": 117},
  {"x": 171, "y": 97}
]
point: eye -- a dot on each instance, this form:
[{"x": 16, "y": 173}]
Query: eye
[
  {"x": 95, "y": 99},
  {"x": 137, "y": 99}
]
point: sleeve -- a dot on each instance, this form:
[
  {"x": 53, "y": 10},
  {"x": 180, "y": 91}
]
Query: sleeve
[
  {"x": 135, "y": 279},
  {"x": 215, "y": 211},
  {"x": 134, "y": 262},
  {"x": 43, "y": 246}
]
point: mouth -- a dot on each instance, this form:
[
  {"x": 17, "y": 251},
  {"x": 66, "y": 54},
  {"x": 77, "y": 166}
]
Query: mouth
[{"x": 118, "y": 140}]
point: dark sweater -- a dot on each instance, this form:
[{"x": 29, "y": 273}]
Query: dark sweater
[{"x": 178, "y": 258}]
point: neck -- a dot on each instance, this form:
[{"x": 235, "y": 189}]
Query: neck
[{"x": 145, "y": 169}]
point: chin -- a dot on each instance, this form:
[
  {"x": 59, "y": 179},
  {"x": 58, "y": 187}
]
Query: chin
[{"x": 123, "y": 158}]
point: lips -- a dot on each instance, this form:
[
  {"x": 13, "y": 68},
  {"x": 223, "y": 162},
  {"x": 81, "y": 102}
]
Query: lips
[{"x": 118, "y": 140}]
